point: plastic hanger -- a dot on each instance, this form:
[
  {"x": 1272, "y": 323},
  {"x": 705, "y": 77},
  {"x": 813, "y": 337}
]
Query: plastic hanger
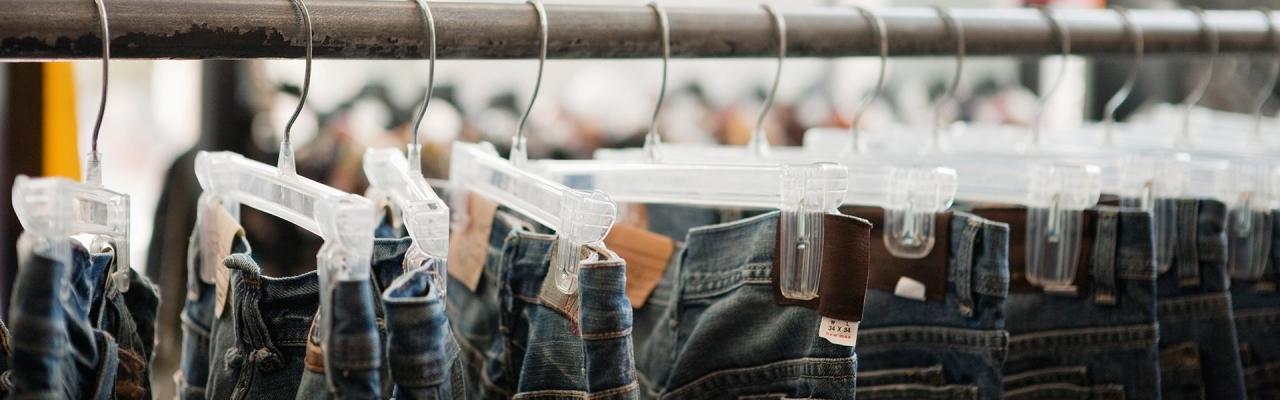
[
  {"x": 578, "y": 217},
  {"x": 345, "y": 221},
  {"x": 391, "y": 174},
  {"x": 911, "y": 194},
  {"x": 53, "y": 209},
  {"x": 804, "y": 192}
]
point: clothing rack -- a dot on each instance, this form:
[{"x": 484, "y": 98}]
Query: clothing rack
[{"x": 363, "y": 29}]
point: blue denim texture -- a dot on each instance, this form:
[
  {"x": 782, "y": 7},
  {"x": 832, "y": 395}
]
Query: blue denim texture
[
  {"x": 1108, "y": 331},
  {"x": 192, "y": 377},
  {"x": 963, "y": 337},
  {"x": 1200, "y": 355},
  {"x": 353, "y": 355},
  {"x": 521, "y": 337},
  {"x": 67, "y": 347},
  {"x": 712, "y": 329},
  {"x": 1256, "y": 308},
  {"x": 422, "y": 352}
]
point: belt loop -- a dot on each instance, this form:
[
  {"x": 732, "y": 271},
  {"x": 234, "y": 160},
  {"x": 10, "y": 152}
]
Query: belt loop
[
  {"x": 1104, "y": 258},
  {"x": 1188, "y": 263},
  {"x": 255, "y": 341},
  {"x": 962, "y": 271}
]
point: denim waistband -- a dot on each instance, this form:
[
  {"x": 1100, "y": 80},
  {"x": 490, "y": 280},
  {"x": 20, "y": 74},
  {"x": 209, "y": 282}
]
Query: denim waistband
[
  {"x": 1137, "y": 336},
  {"x": 523, "y": 253},
  {"x": 1194, "y": 306},
  {"x": 284, "y": 305},
  {"x": 1200, "y": 245},
  {"x": 915, "y": 336},
  {"x": 722, "y": 257},
  {"x": 420, "y": 344}
]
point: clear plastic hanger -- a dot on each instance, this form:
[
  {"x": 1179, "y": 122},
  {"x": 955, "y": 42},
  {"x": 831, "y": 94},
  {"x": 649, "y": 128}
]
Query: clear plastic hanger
[
  {"x": 53, "y": 209},
  {"x": 578, "y": 217},
  {"x": 910, "y": 193},
  {"x": 345, "y": 221},
  {"x": 399, "y": 179},
  {"x": 804, "y": 192}
]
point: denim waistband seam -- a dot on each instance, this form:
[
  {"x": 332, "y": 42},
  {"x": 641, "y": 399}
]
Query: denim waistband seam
[
  {"x": 708, "y": 284},
  {"x": 632, "y": 387},
  {"x": 1261, "y": 318},
  {"x": 900, "y": 336},
  {"x": 607, "y": 335},
  {"x": 1055, "y": 341},
  {"x": 1258, "y": 376},
  {"x": 816, "y": 368},
  {"x": 1191, "y": 306}
]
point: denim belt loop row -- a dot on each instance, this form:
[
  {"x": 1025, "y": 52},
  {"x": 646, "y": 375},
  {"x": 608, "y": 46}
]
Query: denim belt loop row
[
  {"x": 255, "y": 341},
  {"x": 1104, "y": 258}
]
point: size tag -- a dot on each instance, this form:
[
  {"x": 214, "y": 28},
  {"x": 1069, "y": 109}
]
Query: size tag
[
  {"x": 910, "y": 289},
  {"x": 469, "y": 247},
  {"x": 844, "y": 333}
]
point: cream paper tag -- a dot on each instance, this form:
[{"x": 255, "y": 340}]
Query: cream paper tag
[
  {"x": 844, "y": 333},
  {"x": 910, "y": 289},
  {"x": 225, "y": 230},
  {"x": 469, "y": 247}
]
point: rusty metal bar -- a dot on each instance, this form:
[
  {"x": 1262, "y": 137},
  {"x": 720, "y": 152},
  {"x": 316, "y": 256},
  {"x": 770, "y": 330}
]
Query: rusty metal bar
[{"x": 363, "y": 29}]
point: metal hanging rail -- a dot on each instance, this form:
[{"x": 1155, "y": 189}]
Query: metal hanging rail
[{"x": 363, "y": 29}]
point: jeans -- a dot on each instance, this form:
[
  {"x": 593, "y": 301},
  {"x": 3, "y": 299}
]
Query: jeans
[
  {"x": 712, "y": 329},
  {"x": 1100, "y": 341},
  {"x": 192, "y": 378},
  {"x": 67, "y": 324},
  {"x": 948, "y": 348},
  {"x": 522, "y": 337},
  {"x": 1200, "y": 355},
  {"x": 1256, "y": 307},
  {"x": 422, "y": 352}
]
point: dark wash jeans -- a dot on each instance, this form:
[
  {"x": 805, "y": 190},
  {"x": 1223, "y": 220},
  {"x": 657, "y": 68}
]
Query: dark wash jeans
[
  {"x": 712, "y": 329},
  {"x": 521, "y": 337},
  {"x": 422, "y": 352},
  {"x": 1200, "y": 355},
  {"x": 1099, "y": 342},
  {"x": 948, "y": 349},
  {"x": 1256, "y": 307}
]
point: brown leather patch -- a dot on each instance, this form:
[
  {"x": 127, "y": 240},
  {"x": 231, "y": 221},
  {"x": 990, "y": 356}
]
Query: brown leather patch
[
  {"x": 468, "y": 248},
  {"x": 846, "y": 259},
  {"x": 647, "y": 255},
  {"x": 1016, "y": 217},
  {"x": 887, "y": 270}
]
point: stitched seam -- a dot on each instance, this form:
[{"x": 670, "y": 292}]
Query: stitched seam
[
  {"x": 607, "y": 335},
  {"x": 696, "y": 384},
  {"x": 616, "y": 391}
]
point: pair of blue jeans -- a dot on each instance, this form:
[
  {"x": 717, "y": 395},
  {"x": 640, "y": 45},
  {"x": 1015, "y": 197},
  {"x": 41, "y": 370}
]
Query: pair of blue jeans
[
  {"x": 1256, "y": 308},
  {"x": 950, "y": 343},
  {"x": 712, "y": 327},
  {"x": 1200, "y": 355},
  {"x": 1099, "y": 341},
  {"x": 520, "y": 336},
  {"x": 76, "y": 334}
]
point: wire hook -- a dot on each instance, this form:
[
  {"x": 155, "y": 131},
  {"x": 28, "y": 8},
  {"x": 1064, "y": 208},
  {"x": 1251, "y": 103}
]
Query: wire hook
[
  {"x": 286, "y": 165},
  {"x": 652, "y": 140},
  {"x": 878, "y": 28},
  {"x": 1059, "y": 30},
  {"x": 1265, "y": 91},
  {"x": 415, "y": 149},
  {"x": 1184, "y": 139},
  {"x": 1113, "y": 104},
  {"x": 759, "y": 143},
  {"x": 93, "y": 170},
  {"x": 957, "y": 30},
  {"x": 519, "y": 145}
]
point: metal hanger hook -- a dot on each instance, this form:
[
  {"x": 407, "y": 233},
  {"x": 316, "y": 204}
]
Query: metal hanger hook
[
  {"x": 306, "y": 75},
  {"x": 106, "y": 58},
  {"x": 519, "y": 150},
  {"x": 1113, "y": 104},
  {"x": 1194, "y": 97},
  {"x": 957, "y": 31},
  {"x": 1064, "y": 35},
  {"x": 431, "y": 70},
  {"x": 1265, "y": 91},
  {"x": 759, "y": 143},
  {"x": 652, "y": 140},
  {"x": 882, "y": 35}
]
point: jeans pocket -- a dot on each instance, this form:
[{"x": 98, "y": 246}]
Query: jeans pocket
[
  {"x": 920, "y": 392},
  {"x": 1066, "y": 391},
  {"x": 1263, "y": 381},
  {"x": 929, "y": 376},
  {"x": 1078, "y": 376},
  {"x": 1180, "y": 372}
]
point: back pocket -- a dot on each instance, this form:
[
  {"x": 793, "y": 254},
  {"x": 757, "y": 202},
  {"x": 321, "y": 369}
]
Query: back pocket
[
  {"x": 930, "y": 376},
  {"x": 1066, "y": 391},
  {"x": 1180, "y": 376},
  {"x": 1078, "y": 376}
]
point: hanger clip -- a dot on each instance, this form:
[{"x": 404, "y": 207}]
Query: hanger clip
[
  {"x": 808, "y": 193},
  {"x": 1060, "y": 194},
  {"x": 585, "y": 218},
  {"x": 1249, "y": 236},
  {"x": 915, "y": 197}
]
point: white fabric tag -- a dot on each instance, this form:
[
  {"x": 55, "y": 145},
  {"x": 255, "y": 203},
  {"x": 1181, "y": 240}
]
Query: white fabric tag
[
  {"x": 909, "y": 288},
  {"x": 844, "y": 333}
]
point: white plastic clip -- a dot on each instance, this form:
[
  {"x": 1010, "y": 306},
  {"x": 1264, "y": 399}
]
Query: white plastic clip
[
  {"x": 1250, "y": 208},
  {"x": 915, "y": 197},
  {"x": 808, "y": 193},
  {"x": 1060, "y": 193},
  {"x": 54, "y": 209},
  {"x": 426, "y": 217},
  {"x": 1149, "y": 182}
]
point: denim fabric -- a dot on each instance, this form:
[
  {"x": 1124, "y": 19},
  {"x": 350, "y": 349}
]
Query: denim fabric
[
  {"x": 352, "y": 358},
  {"x": 420, "y": 346},
  {"x": 61, "y": 355},
  {"x": 258, "y": 345},
  {"x": 130, "y": 318},
  {"x": 192, "y": 377},
  {"x": 522, "y": 338},
  {"x": 712, "y": 329},
  {"x": 1256, "y": 308},
  {"x": 1108, "y": 330},
  {"x": 964, "y": 336},
  {"x": 1200, "y": 355}
]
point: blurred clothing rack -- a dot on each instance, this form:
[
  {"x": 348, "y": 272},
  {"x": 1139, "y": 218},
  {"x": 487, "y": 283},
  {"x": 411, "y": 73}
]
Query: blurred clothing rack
[{"x": 370, "y": 30}]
